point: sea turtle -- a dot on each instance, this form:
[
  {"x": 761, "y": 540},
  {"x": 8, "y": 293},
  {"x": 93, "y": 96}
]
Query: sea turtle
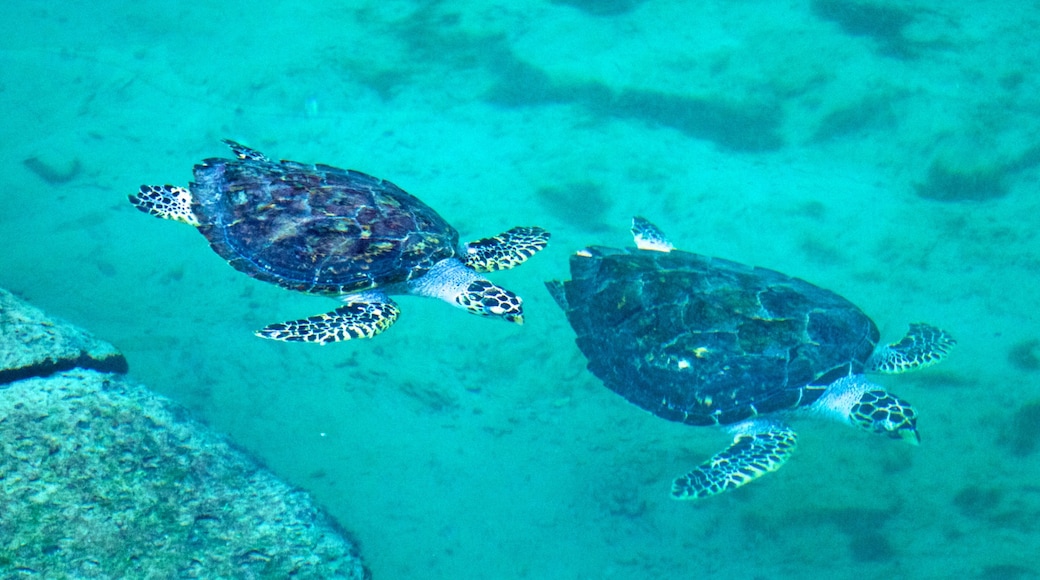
[
  {"x": 706, "y": 341},
  {"x": 323, "y": 230}
]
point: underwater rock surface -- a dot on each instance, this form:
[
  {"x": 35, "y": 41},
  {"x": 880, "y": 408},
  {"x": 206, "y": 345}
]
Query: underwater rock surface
[
  {"x": 31, "y": 344},
  {"x": 101, "y": 478}
]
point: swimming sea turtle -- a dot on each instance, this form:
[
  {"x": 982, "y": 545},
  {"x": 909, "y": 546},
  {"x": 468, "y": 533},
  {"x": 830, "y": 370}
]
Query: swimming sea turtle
[
  {"x": 706, "y": 341},
  {"x": 329, "y": 231}
]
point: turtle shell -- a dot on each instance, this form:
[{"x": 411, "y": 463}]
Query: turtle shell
[
  {"x": 316, "y": 228},
  {"x": 707, "y": 341}
]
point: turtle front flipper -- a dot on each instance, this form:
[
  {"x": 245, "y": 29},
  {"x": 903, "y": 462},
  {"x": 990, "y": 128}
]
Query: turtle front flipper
[
  {"x": 760, "y": 447},
  {"x": 923, "y": 346},
  {"x": 506, "y": 250},
  {"x": 355, "y": 319},
  {"x": 165, "y": 201}
]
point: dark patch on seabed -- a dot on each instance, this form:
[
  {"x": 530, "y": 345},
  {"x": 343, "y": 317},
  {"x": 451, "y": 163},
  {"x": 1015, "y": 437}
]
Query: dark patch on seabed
[
  {"x": 53, "y": 172},
  {"x": 602, "y": 7},
  {"x": 947, "y": 183},
  {"x": 998, "y": 508},
  {"x": 885, "y": 25},
  {"x": 582, "y": 205},
  {"x": 1025, "y": 355},
  {"x": 955, "y": 178},
  {"x": 871, "y": 114},
  {"x": 1022, "y": 432},
  {"x": 1007, "y": 572},
  {"x": 863, "y": 528},
  {"x": 737, "y": 126},
  {"x": 975, "y": 502},
  {"x": 744, "y": 125}
]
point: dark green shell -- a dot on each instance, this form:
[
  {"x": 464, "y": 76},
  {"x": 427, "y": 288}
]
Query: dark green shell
[
  {"x": 316, "y": 228},
  {"x": 707, "y": 341}
]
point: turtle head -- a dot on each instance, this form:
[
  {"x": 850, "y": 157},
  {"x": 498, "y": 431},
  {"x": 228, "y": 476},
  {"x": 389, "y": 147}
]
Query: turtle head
[
  {"x": 879, "y": 411},
  {"x": 485, "y": 299}
]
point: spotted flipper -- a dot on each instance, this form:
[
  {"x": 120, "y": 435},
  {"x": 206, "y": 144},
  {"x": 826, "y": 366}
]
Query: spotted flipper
[
  {"x": 243, "y": 152},
  {"x": 506, "y": 250},
  {"x": 352, "y": 320},
  {"x": 756, "y": 451},
  {"x": 649, "y": 237},
  {"x": 165, "y": 201},
  {"x": 923, "y": 346}
]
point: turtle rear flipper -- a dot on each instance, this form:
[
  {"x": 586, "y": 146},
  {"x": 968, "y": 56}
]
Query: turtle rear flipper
[
  {"x": 506, "y": 250},
  {"x": 165, "y": 201},
  {"x": 558, "y": 292},
  {"x": 357, "y": 319},
  {"x": 760, "y": 447},
  {"x": 923, "y": 346}
]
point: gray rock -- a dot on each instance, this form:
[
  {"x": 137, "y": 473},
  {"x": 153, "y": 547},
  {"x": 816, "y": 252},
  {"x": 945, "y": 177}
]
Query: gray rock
[
  {"x": 101, "y": 478},
  {"x": 35, "y": 345}
]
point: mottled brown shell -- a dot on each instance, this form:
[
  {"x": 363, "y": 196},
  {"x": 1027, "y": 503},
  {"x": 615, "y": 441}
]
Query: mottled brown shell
[
  {"x": 316, "y": 228},
  {"x": 707, "y": 341}
]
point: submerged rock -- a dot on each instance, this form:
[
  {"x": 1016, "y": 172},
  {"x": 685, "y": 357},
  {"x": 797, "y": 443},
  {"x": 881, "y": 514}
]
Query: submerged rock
[
  {"x": 33, "y": 344},
  {"x": 101, "y": 478}
]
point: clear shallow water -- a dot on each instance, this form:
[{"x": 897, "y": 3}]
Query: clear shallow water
[{"x": 885, "y": 153}]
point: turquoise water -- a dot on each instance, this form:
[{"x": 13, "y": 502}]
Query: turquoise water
[{"x": 886, "y": 151}]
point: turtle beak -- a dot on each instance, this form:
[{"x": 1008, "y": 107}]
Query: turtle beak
[
  {"x": 516, "y": 316},
  {"x": 911, "y": 436}
]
